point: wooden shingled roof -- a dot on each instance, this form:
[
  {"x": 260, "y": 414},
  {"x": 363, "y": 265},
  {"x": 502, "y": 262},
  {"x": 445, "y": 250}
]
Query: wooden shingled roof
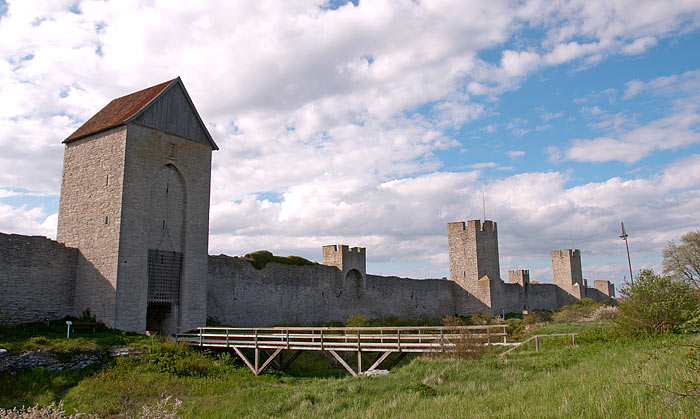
[{"x": 129, "y": 108}]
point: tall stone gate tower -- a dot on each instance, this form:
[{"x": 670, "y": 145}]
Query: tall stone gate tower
[
  {"x": 474, "y": 262},
  {"x": 135, "y": 202}
]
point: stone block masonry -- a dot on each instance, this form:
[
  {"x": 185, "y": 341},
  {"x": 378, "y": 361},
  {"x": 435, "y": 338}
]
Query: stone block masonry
[
  {"x": 474, "y": 262},
  {"x": 37, "y": 279},
  {"x": 240, "y": 295},
  {"x": 90, "y": 215}
]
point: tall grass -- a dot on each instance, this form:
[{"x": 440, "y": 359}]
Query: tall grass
[
  {"x": 603, "y": 376},
  {"x": 599, "y": 378}
]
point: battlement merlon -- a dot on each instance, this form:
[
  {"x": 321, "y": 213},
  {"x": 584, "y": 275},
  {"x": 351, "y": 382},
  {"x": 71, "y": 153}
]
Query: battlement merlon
[
  {"x": 566, "y": 253},
  {"x": 473, "y": 225}
]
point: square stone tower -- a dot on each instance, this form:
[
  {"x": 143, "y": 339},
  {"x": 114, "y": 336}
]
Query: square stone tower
[
  {"x": 352, "y": 262},
  {"x": 135, "y": 202},
  {"x": 474, "y": 263},
  {"x": 566, "y": 268}
]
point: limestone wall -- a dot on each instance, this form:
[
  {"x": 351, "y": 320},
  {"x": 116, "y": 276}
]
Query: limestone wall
[
  {"x": 542, "y": 297},
  {"x": 531, "y": 296},
  {"x": 240, "y": 295},
  {"x": 148, "y": 152},
  {"x": 474, "y": 262},
  {"x": 37, "y": 277},
  {"x": 90, "y": 214}
]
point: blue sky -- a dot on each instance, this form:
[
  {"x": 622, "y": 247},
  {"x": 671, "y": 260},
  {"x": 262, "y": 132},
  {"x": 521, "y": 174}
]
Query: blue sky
[{"x": 375, "y": 123}]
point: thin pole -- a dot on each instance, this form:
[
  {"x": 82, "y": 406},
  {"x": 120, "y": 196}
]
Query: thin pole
[
  {"x": 571, "y": 234},
  {"x": 629, "y": 262},
  {"x": 624, "y": 236}
]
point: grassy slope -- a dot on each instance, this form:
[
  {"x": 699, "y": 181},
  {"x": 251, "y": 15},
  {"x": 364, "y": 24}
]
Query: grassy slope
[
  {"x": 30, "y": 387},
  {"x": 588, "y": 381},
  {"x": 594, "y": 379}
]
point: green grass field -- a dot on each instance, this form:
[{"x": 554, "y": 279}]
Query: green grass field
[{"x": 603, "y": 376}]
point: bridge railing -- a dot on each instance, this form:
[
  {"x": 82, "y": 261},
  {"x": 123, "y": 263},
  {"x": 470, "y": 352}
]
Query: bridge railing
[{"x": 365, "y": 339}]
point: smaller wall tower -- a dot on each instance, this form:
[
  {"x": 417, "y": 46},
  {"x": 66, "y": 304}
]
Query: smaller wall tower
[
  {"x": 474, "y": 262},
  {"x": 519, "y": 276},
  {"x": 352, "y": 262},
  {"x": 605, "y": 287}
]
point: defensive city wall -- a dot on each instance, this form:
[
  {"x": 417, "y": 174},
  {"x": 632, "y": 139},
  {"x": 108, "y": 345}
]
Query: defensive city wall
[
  {"x": 132, "y": 244},
  {"x": 38, "y": 281}
]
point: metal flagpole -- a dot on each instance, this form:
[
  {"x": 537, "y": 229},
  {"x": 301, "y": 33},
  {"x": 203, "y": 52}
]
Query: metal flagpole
[{"x": 624, "y": 236}]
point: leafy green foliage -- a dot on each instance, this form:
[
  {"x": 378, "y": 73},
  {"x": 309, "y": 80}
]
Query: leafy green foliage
[
  {"x": 177, "y": 358},
  {"x": 656, "y": 304},
  {"x": 357, "y": 320},
  {"x": 682, "y": 260},
  {"x": 261, "y": 258},
  {"x": 581, "y": 310}
]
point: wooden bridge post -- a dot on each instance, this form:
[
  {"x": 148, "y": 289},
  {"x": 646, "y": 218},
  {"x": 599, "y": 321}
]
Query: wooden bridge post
[
  {"x": 537, "y": 343},
  {"x": 257, "y": 352},
  {"x": 359, "y": 355}
]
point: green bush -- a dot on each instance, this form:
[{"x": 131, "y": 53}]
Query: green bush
[
  {"x": 261, "y": 258},
  {"x": 357, "y": 320},
  {"x": 656, "y": 304},
  {"x": 177, "y": 358},
  {"x": 579, "y": 311}
]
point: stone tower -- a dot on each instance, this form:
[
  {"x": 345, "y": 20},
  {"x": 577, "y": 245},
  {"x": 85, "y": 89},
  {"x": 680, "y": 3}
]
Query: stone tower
[
  {"x": 566, "y": 268},
  {"x": 352, "y": 262},
  {"x": 474, "y": 262},
  {"x": 135, "y": 202}
]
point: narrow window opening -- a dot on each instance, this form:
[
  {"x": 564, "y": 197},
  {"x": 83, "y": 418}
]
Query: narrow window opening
[
  {"x": 171, "y": 151},
  {"x": 167, "y": 188},
  {"x": 107, "y": 181},
  {"x": 163, "y": 224},
  {"x": 106, "y": 220}
]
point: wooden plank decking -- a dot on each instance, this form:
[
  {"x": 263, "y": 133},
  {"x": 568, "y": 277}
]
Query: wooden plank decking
[{"x": 382, "y": 340}]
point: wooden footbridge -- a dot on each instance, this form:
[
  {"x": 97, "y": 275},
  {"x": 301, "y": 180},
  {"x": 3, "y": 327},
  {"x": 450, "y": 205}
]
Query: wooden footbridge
[{"x": 382, "y": 341}]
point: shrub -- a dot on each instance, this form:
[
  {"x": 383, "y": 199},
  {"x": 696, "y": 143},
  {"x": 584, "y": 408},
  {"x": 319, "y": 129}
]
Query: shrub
[
  {"x": 603, "y": 312},
  {"x": 261, "y": 258},
  {"x": 357, "y": 320},
  {"x": 177, "y": 358},
  {"x": 656, "y": 304},
  {"x": 52, "y": 411},
  {"x": 579, "y": 311}
]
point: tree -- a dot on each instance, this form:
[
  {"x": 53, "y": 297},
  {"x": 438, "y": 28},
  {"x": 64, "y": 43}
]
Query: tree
[
  {"x": 656, "y": 304},
  {"x": 682, "y": 260}
]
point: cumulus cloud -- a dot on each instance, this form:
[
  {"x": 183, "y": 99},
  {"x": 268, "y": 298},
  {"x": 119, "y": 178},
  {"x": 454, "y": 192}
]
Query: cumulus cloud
[
  {"x": 25, "y": 220},
  {"x": 344, "y": 115},
  {"x": 670, "y": 133}
]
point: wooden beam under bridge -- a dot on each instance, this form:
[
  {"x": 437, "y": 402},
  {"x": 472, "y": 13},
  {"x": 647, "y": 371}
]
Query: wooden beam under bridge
[{"x": 384, "y": 341}]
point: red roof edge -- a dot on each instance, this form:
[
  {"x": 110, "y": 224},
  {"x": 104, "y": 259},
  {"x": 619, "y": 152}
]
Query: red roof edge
[{"x": 118, "y": 111}]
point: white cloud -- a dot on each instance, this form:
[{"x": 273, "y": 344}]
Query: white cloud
[
  {"x": 320, "y": 108},
  {"x": 639, "y": 45},
  {"x": 514, "y": 154},
  {"x": 24, "y": 220},
  {"x": 670, "y": 133}
]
